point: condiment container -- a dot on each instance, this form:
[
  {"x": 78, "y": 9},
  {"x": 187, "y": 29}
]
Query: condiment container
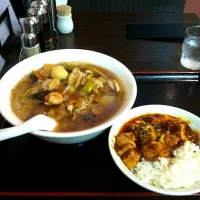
[
  {"x": 64, "y": 19},
  {"x": 30, "y": 45},
  {"x": 39, "y": 3},
  {"x": 33, "y": 25},
  {"x": 43, "y": 15}
]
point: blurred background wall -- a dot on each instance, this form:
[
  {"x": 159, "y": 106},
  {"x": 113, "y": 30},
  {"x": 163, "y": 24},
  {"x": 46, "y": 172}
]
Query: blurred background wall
[{"x": 192, "y": 6}]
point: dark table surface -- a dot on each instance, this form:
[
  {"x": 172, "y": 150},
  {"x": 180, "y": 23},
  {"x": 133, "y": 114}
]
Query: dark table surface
[
  {"x": 32, "y": 167},
  {"x": 107, "y": 33}
]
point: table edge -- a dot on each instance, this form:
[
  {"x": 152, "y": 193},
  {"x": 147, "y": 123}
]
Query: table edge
[{"x": 86, "y": 194}]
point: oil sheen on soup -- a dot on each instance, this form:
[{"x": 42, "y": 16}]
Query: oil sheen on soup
[{"x": 77, "y": 95}]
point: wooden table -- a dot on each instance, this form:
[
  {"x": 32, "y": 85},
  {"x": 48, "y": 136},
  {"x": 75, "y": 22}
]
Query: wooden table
[
  {"x": 106, "y": 33},
  {"x": 32, "y": 167}
]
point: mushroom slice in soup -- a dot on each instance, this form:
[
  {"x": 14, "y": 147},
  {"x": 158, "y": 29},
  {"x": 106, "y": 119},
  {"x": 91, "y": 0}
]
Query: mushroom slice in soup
[
  {"x": 33, "y": 90},
  {"x": 83, "y": 104},
  {"x": 111, "y": 84},
  {"x": 75, "y": 77},
  {"x": 117, "y": 88},
  {"x": 114, "y": 85}
]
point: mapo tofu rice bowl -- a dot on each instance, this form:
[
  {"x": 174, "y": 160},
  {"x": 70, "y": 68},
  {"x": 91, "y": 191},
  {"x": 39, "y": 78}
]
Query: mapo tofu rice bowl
[
  {"x": 84, "y": 91},
  {"x": 157, "y": 147}
]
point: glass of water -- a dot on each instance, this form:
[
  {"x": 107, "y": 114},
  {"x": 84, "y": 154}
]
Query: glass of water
[{"x": 191, "y": 48}]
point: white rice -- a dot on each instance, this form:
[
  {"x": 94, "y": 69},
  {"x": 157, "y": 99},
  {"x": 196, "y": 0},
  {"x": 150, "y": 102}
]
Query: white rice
[{"x": 181, "y": 171}]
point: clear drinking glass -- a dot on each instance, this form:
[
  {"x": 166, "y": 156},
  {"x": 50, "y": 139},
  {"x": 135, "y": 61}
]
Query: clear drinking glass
[{"x": 191, "y": 48}]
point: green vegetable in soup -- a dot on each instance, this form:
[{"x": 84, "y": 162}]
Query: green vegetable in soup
[{"x": 88, "y": 87}]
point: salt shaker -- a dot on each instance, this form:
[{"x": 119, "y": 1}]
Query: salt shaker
[
  {"x": 33, "y": 25},
  {"x": 30, "y": 45},
  {"x": 39, "y": 3},
  {"x": 64, "y": 19}
]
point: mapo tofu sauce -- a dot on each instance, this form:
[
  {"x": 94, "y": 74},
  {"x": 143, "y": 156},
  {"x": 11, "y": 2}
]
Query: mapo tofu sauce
[
  {"x": 77, "y": 95},
  {"x": 151, "y": 136}
]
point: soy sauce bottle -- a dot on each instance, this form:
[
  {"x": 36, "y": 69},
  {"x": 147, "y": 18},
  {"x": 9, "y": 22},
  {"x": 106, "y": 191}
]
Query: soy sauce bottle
[{"x": 43, "y": 15}]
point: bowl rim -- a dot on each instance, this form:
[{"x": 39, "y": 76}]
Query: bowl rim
[
  {"x": 102, "y": 126},
  {"x": 125, "y": 170}
]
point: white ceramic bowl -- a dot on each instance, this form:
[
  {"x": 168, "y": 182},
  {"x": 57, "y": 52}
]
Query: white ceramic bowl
[
  {"x": 17, "y": 72},
  {"x": 163, "y": 109}
]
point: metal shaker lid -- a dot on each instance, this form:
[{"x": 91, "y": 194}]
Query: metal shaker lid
[
  {"x": 29, "y": 39},
  {"x": 41, "y": 13},
  {"x": 36, "y": 20},
  {"x": 30, "y": 24},
  {"x": 39, "y": 3}
]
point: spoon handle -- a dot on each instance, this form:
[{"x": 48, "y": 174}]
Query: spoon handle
[
  {"x": 33, "y": 124},
  {"x": 38, "y": 122},
  {"x": 8, "y": 133},
  {"x": 12, "y": 132}
]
